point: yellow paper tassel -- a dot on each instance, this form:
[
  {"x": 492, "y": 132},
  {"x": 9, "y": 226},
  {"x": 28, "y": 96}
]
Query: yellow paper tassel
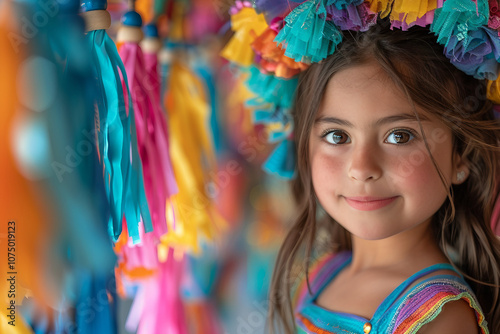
[
  {"x": 193, "y": 156},
  {"x": 247, "y": 26},
  {"x": 493, "y": 90},
  {"x": 409, "y": 10}
]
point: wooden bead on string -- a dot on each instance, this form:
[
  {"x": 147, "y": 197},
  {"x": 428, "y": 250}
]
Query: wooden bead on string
[
  {"x": 96, "y": 20},
  {"x": 130, "y": 29},
  {"x": 151, "y": 42},
  {"x": 95, "y": 15}
]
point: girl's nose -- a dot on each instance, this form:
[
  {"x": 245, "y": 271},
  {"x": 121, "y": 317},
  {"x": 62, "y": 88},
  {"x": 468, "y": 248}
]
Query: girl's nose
[{"x": 365, "y": 163}]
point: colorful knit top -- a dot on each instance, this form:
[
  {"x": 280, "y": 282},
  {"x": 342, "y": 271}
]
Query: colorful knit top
[{"x": 404, "y": 311}]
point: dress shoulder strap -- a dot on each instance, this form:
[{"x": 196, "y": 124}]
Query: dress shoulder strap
[
  {"x": 425, "y": 300},
  {"x": 320, "y": 273}
]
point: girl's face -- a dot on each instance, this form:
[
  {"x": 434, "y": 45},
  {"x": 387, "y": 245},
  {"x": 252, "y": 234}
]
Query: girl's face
[{"x": 370, "y": 168}]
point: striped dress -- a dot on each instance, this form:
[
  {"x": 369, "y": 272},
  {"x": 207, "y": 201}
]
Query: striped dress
[{"x": 404, "y": 311}]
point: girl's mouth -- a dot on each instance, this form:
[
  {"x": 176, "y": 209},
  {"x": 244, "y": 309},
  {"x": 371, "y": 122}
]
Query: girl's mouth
[{"x": 369, "y": 203}]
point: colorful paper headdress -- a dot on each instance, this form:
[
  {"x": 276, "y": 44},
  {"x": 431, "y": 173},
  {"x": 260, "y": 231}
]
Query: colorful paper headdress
[{"x": 274, "y": 40}]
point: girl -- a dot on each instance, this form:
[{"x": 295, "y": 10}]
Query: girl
[{"x": 400, "y": 149}]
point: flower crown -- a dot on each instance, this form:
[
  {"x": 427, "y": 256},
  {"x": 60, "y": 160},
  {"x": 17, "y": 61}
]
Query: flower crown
[{"x": 275, "y": 40}]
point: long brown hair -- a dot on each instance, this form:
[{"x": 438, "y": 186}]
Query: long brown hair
[{"x": 416, "y": 63}]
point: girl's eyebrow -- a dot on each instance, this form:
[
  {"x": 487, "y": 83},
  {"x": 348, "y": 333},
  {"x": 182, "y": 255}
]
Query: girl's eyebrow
[{"x": 381, "y": 121}]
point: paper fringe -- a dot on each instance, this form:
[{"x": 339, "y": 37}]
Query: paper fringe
[
  {"x": 152, "y": 136},
  {"x": 117, "y": 140}
]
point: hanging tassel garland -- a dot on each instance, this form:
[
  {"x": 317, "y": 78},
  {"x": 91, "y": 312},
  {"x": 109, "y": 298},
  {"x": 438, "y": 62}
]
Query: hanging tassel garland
[{"x": 117, "y": 138}]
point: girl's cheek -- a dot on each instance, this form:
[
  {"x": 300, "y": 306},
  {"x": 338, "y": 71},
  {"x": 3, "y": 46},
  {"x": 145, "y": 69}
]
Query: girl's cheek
[
  {"x": 325, "y": 166},
  {"x": 416, "y": 173}
]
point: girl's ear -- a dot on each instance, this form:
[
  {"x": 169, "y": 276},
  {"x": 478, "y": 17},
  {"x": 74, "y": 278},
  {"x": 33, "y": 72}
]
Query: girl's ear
[{"x": 460, "y": 169}]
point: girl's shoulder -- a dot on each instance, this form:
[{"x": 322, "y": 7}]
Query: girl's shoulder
[{"x": 424, "y": 301}]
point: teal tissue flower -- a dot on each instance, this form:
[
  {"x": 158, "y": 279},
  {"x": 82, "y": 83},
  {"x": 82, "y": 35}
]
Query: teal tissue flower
[
  {"x": 307, "y": 35},
  {"x": 458, "y": 18}
]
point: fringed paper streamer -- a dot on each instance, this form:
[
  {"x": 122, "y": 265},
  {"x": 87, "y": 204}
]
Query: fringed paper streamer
[
  {"x": 458, "y": 18},
  {"x": 152, "y": 136},
  {"x": 247, "y": 25},
  {"x": 271, "y": 89},
  {"x": 192, "y": 157},
  {"x": 158, "y": 306},
  {"x": 383, "y": 7},
  {"x": 478, "y": 55},
  {"x": 494, "y": 20},
  {"x": 307, "y": 35},
  {"x": 272, "y": 59},
  {"x": 117, "y": 140},
  {"x": 352, "y": 17},
  {"x": 343, "y": 4},
  {"x": 406, "y": 13},
  {"x": 282, "y": 161},
  {"x": 80, "y": 193}
]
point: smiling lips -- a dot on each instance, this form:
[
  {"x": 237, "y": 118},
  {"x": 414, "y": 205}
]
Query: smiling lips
[{"x": 367, "y": 203}]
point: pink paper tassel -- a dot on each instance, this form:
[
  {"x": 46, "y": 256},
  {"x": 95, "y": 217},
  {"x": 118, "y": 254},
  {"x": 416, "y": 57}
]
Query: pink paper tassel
[
  {"x": 158, "y": 306},
  {"x": 143, "y": 254},
  {"x": 152, "y": 135}
]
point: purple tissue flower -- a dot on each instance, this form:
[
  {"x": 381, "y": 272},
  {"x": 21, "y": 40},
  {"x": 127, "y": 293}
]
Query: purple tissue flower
[{"x": 477, "y": 54}]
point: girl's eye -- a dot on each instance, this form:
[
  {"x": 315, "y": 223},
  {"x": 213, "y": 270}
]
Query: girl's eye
[
  {"x": 400, "y": 137},
  {"x": 337, "y": 137}
]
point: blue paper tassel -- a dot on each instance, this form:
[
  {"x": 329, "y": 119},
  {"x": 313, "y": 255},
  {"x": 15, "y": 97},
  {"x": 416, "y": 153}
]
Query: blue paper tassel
[
  {"x": 282, "y": 161},
  {"x": 271, "y": 89},
  {"x": 117, "y": 141}
]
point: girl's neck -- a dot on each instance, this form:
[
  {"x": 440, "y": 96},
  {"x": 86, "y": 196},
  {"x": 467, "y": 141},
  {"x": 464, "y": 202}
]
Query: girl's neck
[{"x": 411, "y": 250}]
